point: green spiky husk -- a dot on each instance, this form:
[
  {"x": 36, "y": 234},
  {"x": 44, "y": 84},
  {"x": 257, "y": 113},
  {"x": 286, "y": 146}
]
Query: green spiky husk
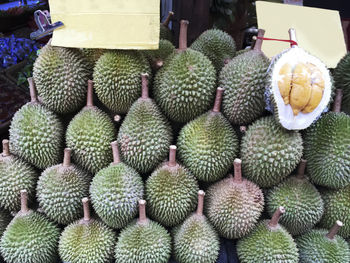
[
  {"x": 269, "y": 152},
  {"x": 302, "y": 201},
  {"x": 144, "y": 136},
  {"x": 117, "y": 78},
  {"x": 207, "y": 146},
  {"x": 165, "y": 33},
  {"x": 143, "y": 243},
  {"x": 315, "y": 247},
  {"x": 91, "y": 55},
  {"x": 166, "y": 48},
  {"x": 185, "y": 87},
  {"x": 89, "y": 135},
  {"x": 266, "y": 245},
  {"x": 30, "y": 238},
  {"x": 5, "y": 219},
  {"x": 327, "y": 150},
  {"x": 36, "y": 135},
  {"x": 83, "y": 242},
  {"x": 244, "y": 79},
  {"x": 171, "y": 194},
  {"x": 196, "y": 241},
  {"x": 59, "y": 193},
  {"x": 115, "y": 192},
  {"x": 61, "y": 76},
  {"x": 342, "y": 81}
]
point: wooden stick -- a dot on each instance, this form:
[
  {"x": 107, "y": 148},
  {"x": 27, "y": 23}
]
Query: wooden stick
[
  {"x": 116, "y": 155},
  {"x": 167, "y": 20},
  {"x": 334, "y": 230},
  {"x": 292, "y": 35},
  {"x": 5, "y": 147},
  {"x": 144, "y": 79},
  {"x": 276, "y": 217},
  {"x": 142, "y": 211},
  {"x": 183, "y": 35},
  {"x": 172, "y": 156},
  {"x": 301, "y": 169},
  {"x": 238, "y": 170},
  {"x": 218, "y": 99},
  {"x": 338, "y": 99},
  {"x": 200, "y": 202},
  {"x": 86, "y": 208},
  {"x": 32, "y": 90},
  {"x": 258, "y": 42},
  {"x": 89, "y": 98},
  {"x": 24, "y": 201},
  {"x": 66, "y": 158}
]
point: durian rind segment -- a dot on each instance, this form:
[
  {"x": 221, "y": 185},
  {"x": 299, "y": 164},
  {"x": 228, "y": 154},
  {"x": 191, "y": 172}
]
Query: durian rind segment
[
  {"x": 269, "y": 152},
  {"x": 91, "y": 242},
  {"x": 315, "y": 247},
  {"x": 36, "y": 135},
  {"x": 266, "y": 245},
  {"x": 115, "y": 192},
  {"x": 342, "y": 81}
]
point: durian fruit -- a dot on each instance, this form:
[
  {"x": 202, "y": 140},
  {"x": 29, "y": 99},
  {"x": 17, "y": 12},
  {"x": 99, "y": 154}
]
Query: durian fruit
[
  {"x": 89, "y": 135},
  {"x": 91, "y": 55},
  {"x": 234, "y": 205},
  {"x": 268, "y": 242},
  {"x": 195, "y": 240},
  {"x": 15, "y": 175},
  {"x": 208, "y": 144},
  {"x": 184, "y": 87},
  {"x": 171, "y": 192},
  {"x": 269, "y": 152},
  {"x": 115, "y": 192},
  {"x": 145, "y": 134},
  {"x": 60, "y": 189},
  {"x": 336, "y": 206},
  {"x": 117, "y": 78},
  {"x": 157, "y": 56},
  {"x": 322, "y": 246},
  {"x": 327, "y": 148},
  {"x": 60, "y": 76},
  {"x": 300, "y": 198},
  {"x": 164, "y": 31},
  {"x": 36, "y": 133},
  {"x": 244, "y": 80},
  {"x": 29, "y": 237},
  {"x": 342, "y": 80},
  {"x": 217, "y": 45},
  {"x": 143, "y": 241},
  {"x": 87, "y": 240},
  {"x": 5, "y": 219}
]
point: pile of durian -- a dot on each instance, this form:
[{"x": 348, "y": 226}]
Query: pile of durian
[{"x": 172, "y": 150}]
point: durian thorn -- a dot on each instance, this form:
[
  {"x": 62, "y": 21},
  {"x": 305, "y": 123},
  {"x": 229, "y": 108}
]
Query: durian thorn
[
  {"x": 237, "y": 163},
  {"x": 5, "y": 147},
  {"x": 292, "y": 36},
  {"x": 200, "y": 205},
  {"x": 183, "y": 35},
  {"x": 89, "y": 97},
  {"x": 32, "y": 90},
  {"x": 142, "y": 212},
  {"x": 158, "y": 64},
  {"x": 337, "y": 102},
  {"x": 117, "y": 118},
  {"x": 168, "y": 18},
  {"x": 218, "y": 99},
  {"x": 172, "y": 155},
  {"x": 258, "y": 42},
  {"x": 66, "y": 158},
  {"x": 116, "y": 155},
  {"x": 243, "y": 129},
  {"x": 301, "y": 169},
  {"x": 334, "y": 230},
  {"x": 86, "y": 208},
  {"x": 276, "y": 217},
  {"x": 24, "y": 201},
  {"x": 144, "y": 80}
]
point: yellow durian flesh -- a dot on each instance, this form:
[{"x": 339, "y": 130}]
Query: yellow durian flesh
[{"x": 285, "y": 82}]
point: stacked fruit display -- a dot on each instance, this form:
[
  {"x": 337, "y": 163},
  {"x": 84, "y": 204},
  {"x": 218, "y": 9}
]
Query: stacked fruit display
[{"x": 153, "y": 134}]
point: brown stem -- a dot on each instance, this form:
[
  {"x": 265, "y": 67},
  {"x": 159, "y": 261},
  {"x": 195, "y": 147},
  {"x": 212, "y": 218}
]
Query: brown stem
[
  {"x": 142, "y": 211},
  {"x": 218, "y": 99},
  {"x": 301, "y": 169},
  {"x": 337, "y": 102},
  {"x": 292, "y": 35},
  {"x": 200, "y": 202},
  {"x": 32, "y": 90},
  {"x": 86, "y": 208},
  {"x": 117, "y": 118},
  {"x": 167, "y": 20},
  {"x": 144, "y": 79},
  {"x": 243, "y": 129},
  {"x": 183, "y": 35},
  {"x": 66, "y": 158},
  {"x": 24, "y": 201},
  {"x": 172, "y": 155},
  {"x": 5, "y": 147},
  {"x": 238, "y": 170},
  {"x": 334, "y": 230},
  {"x": 258, "y": 42},
  {"x": 89, "y": 98},
  {"x": 227, "y": 60},
  {"x": 276, "y": 217},
  {"x": 115, "y": 149},
  {"x": 158, "y": 64}
]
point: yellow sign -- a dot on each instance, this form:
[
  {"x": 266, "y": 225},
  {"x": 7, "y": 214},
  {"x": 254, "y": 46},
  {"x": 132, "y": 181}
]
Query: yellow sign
[
  {"x": 318, "y": 31},
  {"x": 110, "y": 24}
]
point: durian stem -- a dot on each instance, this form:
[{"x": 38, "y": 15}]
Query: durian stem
[
  {"x": 32, "y": 90},
  {"x": 172, "y": 155},
  {"x": 276, "y": 217},
  {"x": 86, "y": 208},
  {"x": 158, "y": 64},
  {"x": 117, "y": 118},
  {"x": 183, "y": 35},
  {"x": 292, "y": 36},
  {"x": 334, "y": 230},
  {"x": 167, "y": 20},
  {"x": 142, "y": 211},
  {"x": 66, "y": 158},
  {"x": 218, "y": 99},
  {"x": 258, "y": 42},
  {"x": 238, "y": 170},
  {"x": 243, "y": 129},
  {"x": 115, "y": 149},
  {"x": 200, "y": 202},
  {"x": 144, "y": 79},
  {"x": 89, "y": 98},
  {"x": 5, "y": 147},
  {"x": 337, "y": 102},
  {"x": 227, "y": 60},
  {"x": 24, "y": 201},
  {"x": 301, "y": 169}
]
